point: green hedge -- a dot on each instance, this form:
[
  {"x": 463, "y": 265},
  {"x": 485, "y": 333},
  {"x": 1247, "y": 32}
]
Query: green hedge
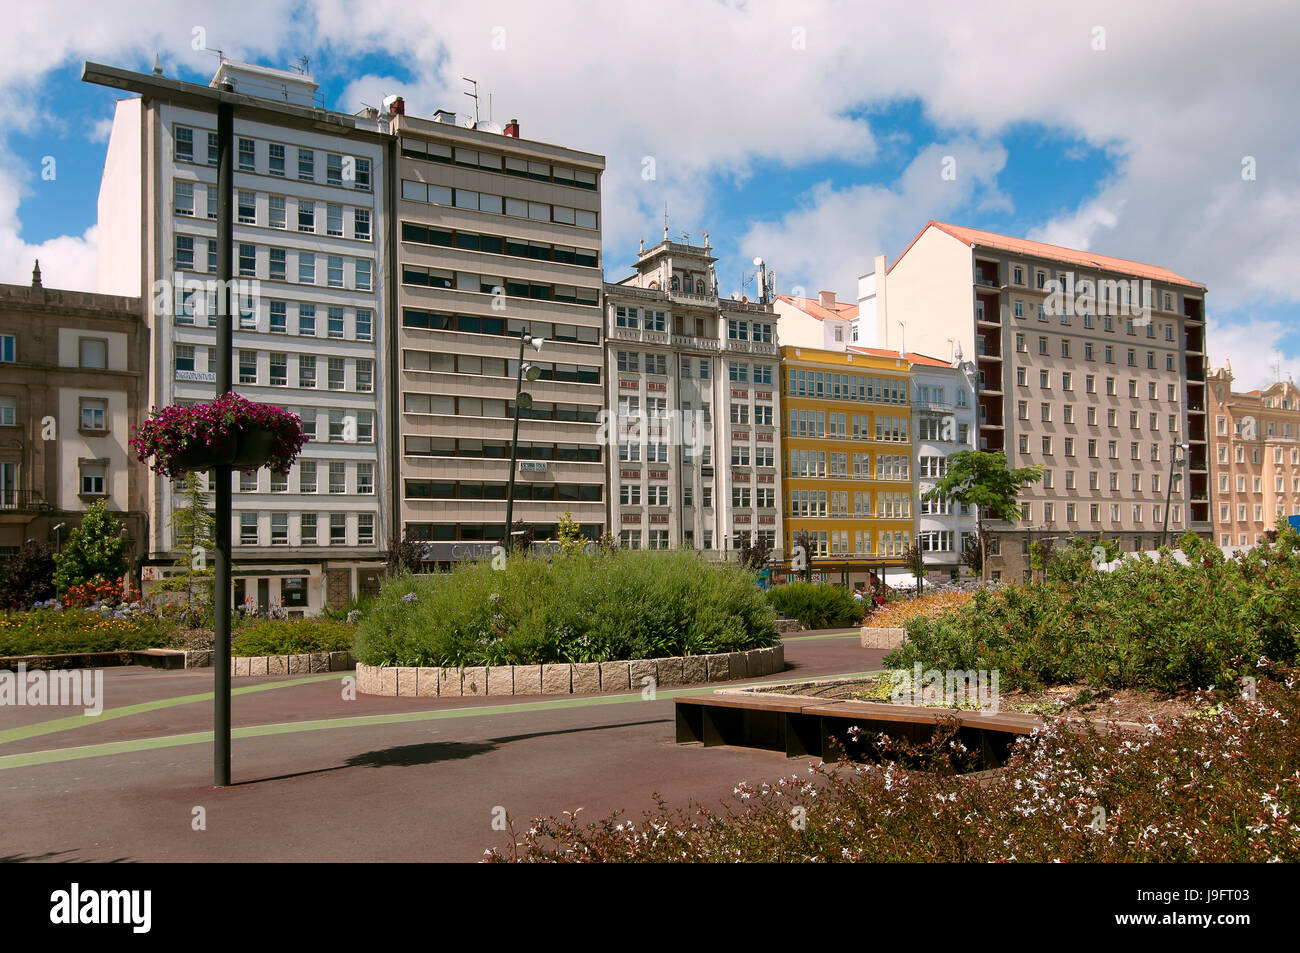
[
  {"x": 816, "y": 606},
  {"x": 1156, "y": 625},
  {"x": 292, "y": 637},
  {"x": 620, "y": 605},
  {"x": 63, "y": 631}
]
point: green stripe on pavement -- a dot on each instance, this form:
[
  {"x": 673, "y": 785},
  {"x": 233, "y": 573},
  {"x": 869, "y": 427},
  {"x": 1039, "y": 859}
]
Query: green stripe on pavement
[
  {"x": 830, "y": 635},
  {"x": 108, "y": 714},
  {"x": 360, "y": 721}
]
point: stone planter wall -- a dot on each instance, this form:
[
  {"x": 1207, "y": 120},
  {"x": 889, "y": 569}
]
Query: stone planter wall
[
  {"x": 565, "y": 679},
  {"x": 281, "y": 664},
  {"x": 883, "y": 638}
]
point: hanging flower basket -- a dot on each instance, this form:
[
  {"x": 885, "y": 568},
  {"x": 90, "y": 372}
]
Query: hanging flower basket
[{"x": 229, "y": 431}]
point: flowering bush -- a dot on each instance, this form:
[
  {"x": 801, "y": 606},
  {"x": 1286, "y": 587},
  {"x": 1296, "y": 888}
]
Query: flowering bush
[
  {"x": 1224, "y": 788},
  {"x": 52, "y": 630},
  {"x": 100, "y": 591},
  {"x": 1156, "y": 625},
  {"x": 929, "y": 605},
  {"x": 173, "y": 430}
]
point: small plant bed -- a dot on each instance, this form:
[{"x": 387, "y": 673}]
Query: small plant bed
[
  {"x": 575, "y": 608},
  {"x": 61, "y": 631},
  {"x": 895, "y": 614},
  {"x": 1060, "y": 701},
  {"x": 816, "y": 606},
  {"x": 292, "y": 637}
]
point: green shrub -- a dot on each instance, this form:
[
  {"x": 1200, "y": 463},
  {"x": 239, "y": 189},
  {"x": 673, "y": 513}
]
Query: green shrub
[
  {"x": 576, "y": 608},
  {"x": 62, "y": 631},
  {"x": 816, "y": 606},
  {"x": 1149, "y": 624},
  {"x": 292, "y": 637}
]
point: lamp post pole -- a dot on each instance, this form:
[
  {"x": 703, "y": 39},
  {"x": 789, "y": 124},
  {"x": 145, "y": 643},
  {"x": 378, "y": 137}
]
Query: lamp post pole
[
  {"x": 221, "y": 474},
  {"x": 524, "y": 338},
  {"x": 1169, "y": 488}
]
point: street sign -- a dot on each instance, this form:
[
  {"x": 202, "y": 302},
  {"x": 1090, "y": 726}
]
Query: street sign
[{"x": 533, "y": 465}]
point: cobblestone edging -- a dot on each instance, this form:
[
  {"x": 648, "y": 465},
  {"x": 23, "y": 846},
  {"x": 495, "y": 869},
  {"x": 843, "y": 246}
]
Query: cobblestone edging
[
  {"x": 892, "y": 638},
  {"x": 278, "y": 664},
  {"x": 567, "y": 679}
]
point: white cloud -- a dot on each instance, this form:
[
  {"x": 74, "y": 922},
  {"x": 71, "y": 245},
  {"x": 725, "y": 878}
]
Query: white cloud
[{"x": 1177, "y": 98}]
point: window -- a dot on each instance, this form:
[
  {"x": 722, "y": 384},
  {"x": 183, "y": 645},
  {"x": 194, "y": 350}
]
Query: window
[
  {"x": 335, "y": 368},
  {"x": 247, "y": 367},
  {"x": 365, "y": 375},
  {"x": 364, "y": 324},
  {"x": 306, "y": 268},
  {"x": 334, "y": 220},
  {"x": 276, "y": 264},
  {"x": 92, "y": 478},
  {"x": 279, "y": 370},
  {"x": 307, "y": 320},
  {"x": 247, "y": 260},
  {"x": 275, "y": 159},
  {"x": 306, "y": 370},
  {"x": 185, "y": 252},
  {"x": 306, "y": 165},
  {"x": 92, "y": 353},
  {"x": 184, "y": 198},
  {"x": 183, "y": 138},
  {"x": 362, "y": 172},
  {"x": 338, "y": 529},
  {"x": 275, "y": 211},
  {"x": 334, "y": 272},
  {"x": 333, "y": 169},
  {"x": 363, "y": 274},
  {"x": 361, "y": 224},
  {"x": 306, "y": 216},
  {"x": 94, "y": 414},
  {"x": 247, "y": 155},
  {"x": 338, "y": 477},
  {"x": 279, "y": 529}
]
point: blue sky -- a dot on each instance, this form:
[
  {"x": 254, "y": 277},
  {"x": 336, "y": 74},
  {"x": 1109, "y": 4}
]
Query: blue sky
[{"x": 807, "y": 133}]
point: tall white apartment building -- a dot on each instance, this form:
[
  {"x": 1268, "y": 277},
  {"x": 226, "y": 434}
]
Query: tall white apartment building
[
  {"x": 700, "y": 469},
  {"x": 310, "y": 231},
  {"x": 943, "y": 423}
]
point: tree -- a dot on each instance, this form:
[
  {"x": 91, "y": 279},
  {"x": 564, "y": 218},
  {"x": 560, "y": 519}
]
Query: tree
[
  {"x": 801, "y": 558},
  {"x": 96, "y": 550},
  {"x": 194, "y": 545},
  {"x": 522, "y": 537},
  {"x": 982, "y": 479},
  {"x": 914, "y": 560},
  {"x": 569, "y": 536},
  {"x": 755, "y": 554},
  {"x": 27, "y": 576},
  {"x": 406, "y": 555}
]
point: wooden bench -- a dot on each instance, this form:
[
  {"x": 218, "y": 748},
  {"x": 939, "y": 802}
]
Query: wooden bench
[{"x": 804, "y": 727}]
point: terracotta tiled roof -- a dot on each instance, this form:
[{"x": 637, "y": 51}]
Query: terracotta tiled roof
[
  {"x": 839, "y": 309},
  {"x": 1071, "y": 256},
  {"x": 911, "y": 356}
]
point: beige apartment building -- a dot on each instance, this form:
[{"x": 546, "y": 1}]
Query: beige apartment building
[
  {"x": 694, "y": 440},
  {"x": 73, "y": 379},
  {"x": 1091, "y": 366},
  {"x": 1256, "y": 457},
  {"x": 495, "y": 236}
]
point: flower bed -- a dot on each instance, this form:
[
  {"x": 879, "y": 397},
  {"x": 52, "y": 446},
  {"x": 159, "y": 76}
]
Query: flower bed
[
  {"x": 895, "y": 614},
  {"x": 57, "y": 631},
  {"x": 1219, "y": 787},
  {"x": 567, "y": 609},
  {"x": 228, "y": 431}
]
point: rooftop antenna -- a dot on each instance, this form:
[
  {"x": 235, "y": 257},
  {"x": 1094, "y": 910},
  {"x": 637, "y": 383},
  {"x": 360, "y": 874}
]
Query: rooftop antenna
[
  {"x": 1277, "y": 365},
  {"x": 665, "y": 220},
  {"x": 303, "y": 63},
  {"x": 473, "y": 96}
]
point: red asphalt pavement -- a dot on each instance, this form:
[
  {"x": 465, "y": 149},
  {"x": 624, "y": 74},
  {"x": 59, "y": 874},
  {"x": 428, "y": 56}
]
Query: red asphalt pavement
[{"x": 422, "y": 789}]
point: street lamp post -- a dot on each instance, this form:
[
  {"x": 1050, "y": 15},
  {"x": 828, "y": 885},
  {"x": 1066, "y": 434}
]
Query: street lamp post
[
  {"x": 1169, "y": 488},
  {"x": 221, "y": 596},
  {"x": 524, "y": 401}
]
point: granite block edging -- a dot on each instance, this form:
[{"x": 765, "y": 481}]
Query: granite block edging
[
  {"x": 587, "y": 678},
  {"x": 883, "y": 638},
  {"x": 241, "y": 666}
]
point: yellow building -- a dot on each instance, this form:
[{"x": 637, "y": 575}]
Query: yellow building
[{"x": 847, "y": 449}]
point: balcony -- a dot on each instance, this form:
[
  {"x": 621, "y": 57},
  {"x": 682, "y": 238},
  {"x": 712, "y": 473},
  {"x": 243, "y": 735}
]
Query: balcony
[
  {"x": 23, "y": 501},
  {"x": 689, "y": 342},
  {"x": 640, "y": 335},
  {"x": 750, "y": 347}
]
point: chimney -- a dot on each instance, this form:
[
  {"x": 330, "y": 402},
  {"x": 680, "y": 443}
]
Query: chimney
[
  {"x": 36, "y": 274},
  {"x": 395, "y": 105},
  {"x": 512, "y": 129},
  {"x": 826, "y": 299}
]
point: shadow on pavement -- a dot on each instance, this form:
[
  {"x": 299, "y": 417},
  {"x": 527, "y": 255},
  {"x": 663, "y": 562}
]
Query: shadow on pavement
[{"x": 434, "y": 752}]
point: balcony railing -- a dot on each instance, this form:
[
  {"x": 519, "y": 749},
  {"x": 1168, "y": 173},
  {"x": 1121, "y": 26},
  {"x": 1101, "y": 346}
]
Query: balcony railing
[{"x": 23, "y": 501}]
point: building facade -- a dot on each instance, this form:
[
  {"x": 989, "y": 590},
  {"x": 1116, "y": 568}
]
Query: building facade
[
  {"x": 495, "y": 236},
  {"x": 1256, "y": 458},
  {"x": 1090, "y": 366},
  {"x": 847, "y": 454},
  {"x": 694, "y": 433},
  {"x": 73, "y": 371},
  {"x": 310, "y": 262}
]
